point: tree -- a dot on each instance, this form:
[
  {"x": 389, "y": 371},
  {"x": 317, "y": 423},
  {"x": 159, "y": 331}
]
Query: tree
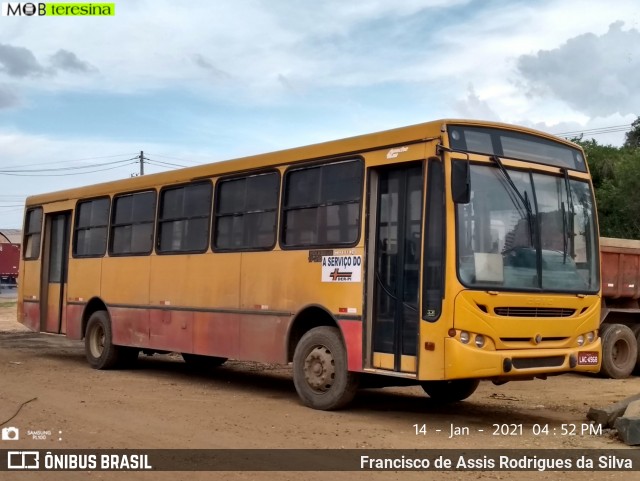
[
  {"x": 601, "y": 158},
  {"x": 632, "y": 138},
  {"x": 616, "y": 179}
]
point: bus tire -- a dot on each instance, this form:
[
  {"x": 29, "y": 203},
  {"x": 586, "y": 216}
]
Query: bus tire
[
  {"x": 201, "y": 363},
  {"x": 619, "y": 351},
  {"x": 99, "y": 349},
  {"x": 450, "y": 391},
  {"x": 320, "y": 372}
]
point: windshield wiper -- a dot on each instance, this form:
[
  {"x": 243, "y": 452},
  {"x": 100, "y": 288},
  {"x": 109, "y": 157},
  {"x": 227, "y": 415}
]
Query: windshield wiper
[
  {"x": 565, "y": 233},
  {"x": 567, "y": 227},
  {"x": 524, "y": 199}
]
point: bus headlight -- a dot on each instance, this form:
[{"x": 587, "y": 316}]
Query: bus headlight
[
  {"x": 480, "y": 340},
  {"x": 590, "y": 337},
  {"x": 580, "y": 340},
  {"x": 464, "y": 337}
]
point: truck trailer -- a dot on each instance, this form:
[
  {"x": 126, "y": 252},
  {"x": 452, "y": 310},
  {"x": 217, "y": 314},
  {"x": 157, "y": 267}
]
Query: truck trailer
[
  {"x": 9, "y": 261},
  {"x": 620, "y": 315}
]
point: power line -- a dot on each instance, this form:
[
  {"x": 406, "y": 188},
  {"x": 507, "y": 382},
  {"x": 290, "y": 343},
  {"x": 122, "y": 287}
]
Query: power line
[
  {"x": 57, "y": 169},
  {"x": 67, "y": 161},
  {"x": 64, "y": 175},
  {"x": 169, "y": 164},
  {"x": 162, "y": 166},
  {"x": 596, "y": 131},
  {"x": 175, "y": 158}
]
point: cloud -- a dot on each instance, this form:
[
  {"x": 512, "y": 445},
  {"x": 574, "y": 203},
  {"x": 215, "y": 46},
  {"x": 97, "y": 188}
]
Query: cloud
[
  {"x": 7, "y": 97},
  {"x": 474, "y": 108},
  {"x": 596, "y": 75},
  {"x": 19, "y": 62},
  {"x": 206, "y": 64},
  {"x": 69, "y": 61}
]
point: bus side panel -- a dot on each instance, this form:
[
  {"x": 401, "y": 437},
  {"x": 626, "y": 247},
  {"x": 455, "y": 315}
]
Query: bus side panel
[
  {"x": 31, "y": 315},
  {"x": 29, "y": 294},
  {"x": 216, "y": 334},
  {"x": 352, "y": 334},
  {"x": 125, "y": 280},
  {"x": 263, "y": 338},
  {"x": 171, "y": 330},
  {"x": 195, "y": 280},
  {"x": 130, "y": 326},
  {"x": 74, "y": 320},
  {"x": 84, "y": 279}
]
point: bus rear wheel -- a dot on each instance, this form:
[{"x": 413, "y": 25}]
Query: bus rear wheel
[
  {"x": 450, "y": 391},
  {"x": 320, "y": 372},
  {"x": 99, "y": 349}
]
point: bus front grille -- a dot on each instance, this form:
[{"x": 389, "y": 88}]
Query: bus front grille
[
  {"x": 534, "y": 311},
  {"x": 529, "y": 340}
]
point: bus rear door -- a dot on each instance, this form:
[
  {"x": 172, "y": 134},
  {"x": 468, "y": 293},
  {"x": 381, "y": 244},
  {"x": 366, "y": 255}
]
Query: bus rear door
[{"x": 54, "y": 272}]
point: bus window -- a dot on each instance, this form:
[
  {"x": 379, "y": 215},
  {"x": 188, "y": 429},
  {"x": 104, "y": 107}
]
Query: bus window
[
  {"x": 92, "y": 219},
  {"x": 183, "y": 219},
  {"x": 322, "y": 205},
  {"x": 246, "y": 212},
  {"x": 132, "y": 223},
  {"x": 32, "y": 230}
]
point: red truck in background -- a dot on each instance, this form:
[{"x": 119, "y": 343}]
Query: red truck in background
[
  {"x": 9, "y": 261},
  {"x": 620, "y": 316}
]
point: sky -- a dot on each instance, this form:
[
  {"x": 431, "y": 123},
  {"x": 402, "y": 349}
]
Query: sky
[{"x": 200, "y": 81}]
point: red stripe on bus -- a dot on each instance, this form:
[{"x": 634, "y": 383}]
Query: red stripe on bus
[
  {"x": 352, "y": 333},
  {"x": 74, "y": 321},
  {"x": 238, "y": 336},
  {"x": 31, "y": 313}
]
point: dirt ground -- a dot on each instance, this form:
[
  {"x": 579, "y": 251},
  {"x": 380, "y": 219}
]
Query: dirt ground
[{"x": 162, "y": 404}]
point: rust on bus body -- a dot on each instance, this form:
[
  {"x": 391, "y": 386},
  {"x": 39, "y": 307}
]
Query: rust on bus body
[
  {"x": 246, "y": 336},
  {"x": 74, "y": 321},
  {"x": 31, "y": 315},
  {"x": 130, "y": 326}
]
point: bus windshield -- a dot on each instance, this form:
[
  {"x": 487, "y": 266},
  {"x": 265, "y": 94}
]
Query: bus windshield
[{"x": 546, "y": 242}]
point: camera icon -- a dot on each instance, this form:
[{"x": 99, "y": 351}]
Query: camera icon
[{"x": 10, "y": 434}]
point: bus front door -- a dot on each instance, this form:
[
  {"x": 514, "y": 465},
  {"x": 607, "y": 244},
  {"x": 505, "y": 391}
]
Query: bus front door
[
  {"x": 54, "y": 272},
  {"x": 394, "y": 280}
]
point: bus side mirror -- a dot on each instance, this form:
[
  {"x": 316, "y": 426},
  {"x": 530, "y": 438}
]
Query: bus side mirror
[{"x": 461, "y": 182}]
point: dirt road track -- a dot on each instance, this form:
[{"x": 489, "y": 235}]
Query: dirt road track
[{"x": 162, "y": 404}]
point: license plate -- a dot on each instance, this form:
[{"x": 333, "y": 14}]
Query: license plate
[{"x": 588, "y": 358}]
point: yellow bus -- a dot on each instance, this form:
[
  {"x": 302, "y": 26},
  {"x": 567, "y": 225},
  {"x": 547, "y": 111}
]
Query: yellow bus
[{"x": 437, "y": 254}]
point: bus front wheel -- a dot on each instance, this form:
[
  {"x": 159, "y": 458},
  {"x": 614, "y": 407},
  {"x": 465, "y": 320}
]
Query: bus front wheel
[
  {"x": 99, "y": 349},
  {"x": 320, "y": 372},
  {"x": 450, "y": 391}
]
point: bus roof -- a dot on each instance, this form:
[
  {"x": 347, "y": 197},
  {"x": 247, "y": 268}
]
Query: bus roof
[{"x": 373, "y": 141}]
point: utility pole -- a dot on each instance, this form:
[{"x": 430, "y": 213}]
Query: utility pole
[{"x": 141, "y": 157}]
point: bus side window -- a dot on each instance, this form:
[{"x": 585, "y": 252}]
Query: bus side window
[{"x": 322, "y": 204}]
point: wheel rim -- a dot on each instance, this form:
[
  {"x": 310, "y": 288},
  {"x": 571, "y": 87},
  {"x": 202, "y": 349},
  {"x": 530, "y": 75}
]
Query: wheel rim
[
  {"x": 319, "y": 369},
  {"x": 96, "y": 341},
  {"x": 621, "y": 352}
]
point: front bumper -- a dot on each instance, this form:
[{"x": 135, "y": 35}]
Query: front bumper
[{"x": 465, "y": 361}]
